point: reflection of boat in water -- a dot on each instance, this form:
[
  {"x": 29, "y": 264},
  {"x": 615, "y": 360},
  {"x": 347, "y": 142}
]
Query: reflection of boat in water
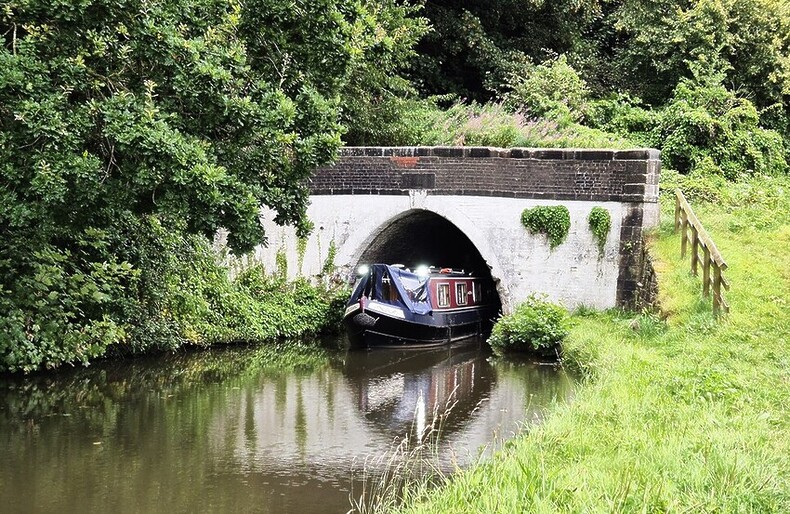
[
  {"x": 391, "y": 307},
  {"x": 402, "y": 391}
]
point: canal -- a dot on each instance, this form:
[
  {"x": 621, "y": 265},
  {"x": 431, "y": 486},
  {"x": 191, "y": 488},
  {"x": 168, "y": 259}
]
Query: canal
[{"x": 224, "y": 430}]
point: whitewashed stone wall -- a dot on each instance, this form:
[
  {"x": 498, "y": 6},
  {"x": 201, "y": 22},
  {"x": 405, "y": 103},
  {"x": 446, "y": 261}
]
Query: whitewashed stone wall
[{"x": 573, "y": 273}]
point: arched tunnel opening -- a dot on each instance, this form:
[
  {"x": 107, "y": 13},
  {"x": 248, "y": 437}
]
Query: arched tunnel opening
[{"x": 424, "y": 238}]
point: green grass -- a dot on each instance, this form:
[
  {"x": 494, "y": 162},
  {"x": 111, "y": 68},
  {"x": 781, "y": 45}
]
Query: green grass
[{"x": 679, "y": 412}]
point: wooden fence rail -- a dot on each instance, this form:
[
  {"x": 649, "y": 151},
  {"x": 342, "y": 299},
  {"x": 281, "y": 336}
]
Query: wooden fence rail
[{"x": 711, "y": 260}]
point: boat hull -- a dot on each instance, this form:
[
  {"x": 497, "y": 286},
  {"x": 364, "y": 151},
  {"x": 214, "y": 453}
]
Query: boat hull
[{"x": 371, "y": 329}]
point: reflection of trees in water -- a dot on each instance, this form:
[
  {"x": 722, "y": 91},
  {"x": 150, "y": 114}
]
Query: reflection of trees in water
[
  {"x": 238, "y": 426},
  {"x": 140, "y": 428},
  {"x": 93, "y": 395}
]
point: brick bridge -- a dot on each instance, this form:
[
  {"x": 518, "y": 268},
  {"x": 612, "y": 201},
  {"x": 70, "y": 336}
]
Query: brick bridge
[{"x": 461, "y": 207}]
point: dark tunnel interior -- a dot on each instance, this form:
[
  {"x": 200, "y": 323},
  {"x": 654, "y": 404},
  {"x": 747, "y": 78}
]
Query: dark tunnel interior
[{"x": 422, "y": 237}]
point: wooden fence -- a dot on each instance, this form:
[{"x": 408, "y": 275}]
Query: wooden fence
[{"x": 711, "y": 260}]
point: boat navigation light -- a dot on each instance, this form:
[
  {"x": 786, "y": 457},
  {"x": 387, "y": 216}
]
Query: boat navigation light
[
  {"x": 422, "y": 270},
  {"x": 363, "y": 270}
]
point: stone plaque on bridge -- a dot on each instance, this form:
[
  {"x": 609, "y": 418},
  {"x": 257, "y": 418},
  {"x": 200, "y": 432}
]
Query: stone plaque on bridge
[{"x": 418, "y": 181}]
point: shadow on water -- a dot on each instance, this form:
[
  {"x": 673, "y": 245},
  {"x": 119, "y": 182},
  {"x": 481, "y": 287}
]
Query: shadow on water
[{"x": 238, "y": 429}]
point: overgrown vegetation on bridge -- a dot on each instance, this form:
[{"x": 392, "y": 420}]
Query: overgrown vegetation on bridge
[{"x": 552, "y": 220}]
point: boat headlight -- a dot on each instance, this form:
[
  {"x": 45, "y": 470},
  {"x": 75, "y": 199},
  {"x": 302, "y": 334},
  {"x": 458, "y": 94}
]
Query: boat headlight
[
  {"x": 363, "y": 270},
  {"x": 422, "y": 270}
]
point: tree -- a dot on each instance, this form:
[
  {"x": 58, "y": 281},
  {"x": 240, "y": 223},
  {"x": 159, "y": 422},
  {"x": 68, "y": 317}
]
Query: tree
[
  {"x": 551, "y": 89},
  {"x": 126, "y": 127},
  {"x": 747, "y": 40},
  {"x": 377, "y": 93},
  {"x": 475, "y": 46},
  {"x": 639, "y": 47}
]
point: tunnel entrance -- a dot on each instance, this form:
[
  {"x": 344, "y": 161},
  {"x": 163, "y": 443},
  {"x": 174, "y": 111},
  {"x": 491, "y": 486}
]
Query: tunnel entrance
[{"x": 424, "y": 238}]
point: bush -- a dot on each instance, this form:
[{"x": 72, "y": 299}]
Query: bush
[
  {"x": 55, "y": 311},
  {"x": 158, "y": 290},
  {"x": 552, "y": 90},
  {"x": 536, "y": 325},
  {"x": 697, "y": 186},
  {"x": 706, "y": 128},
  {"x": 624, "y": 116}
]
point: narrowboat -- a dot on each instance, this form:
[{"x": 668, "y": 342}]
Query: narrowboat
[{"x": 392, "y": 306}]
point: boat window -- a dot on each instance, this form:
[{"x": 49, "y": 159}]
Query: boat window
[
  {"x": 477, "y": 292},
  {"x": 443, "y": 295},
  {"x": 460, "y": 293}
]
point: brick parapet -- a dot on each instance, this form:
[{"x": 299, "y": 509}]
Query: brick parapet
[{"x": 529, "y": 173}]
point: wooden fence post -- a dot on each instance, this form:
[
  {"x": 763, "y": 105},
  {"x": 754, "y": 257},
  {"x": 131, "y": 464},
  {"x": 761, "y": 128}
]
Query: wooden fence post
[
  {"x": 677, "y": 209},
  {"x": 684, "y": 229},
  {"x": 694, "y": 249},
  {"x": 705, "y": 271},
  {"x": 716, "y": 289}
]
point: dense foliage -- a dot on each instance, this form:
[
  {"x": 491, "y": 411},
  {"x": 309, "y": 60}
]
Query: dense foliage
[
  {"x": 376, "y": 92},
  {"x": 476, "y": 45},
  {"x": 552, "y": 220},
  {"x": 536, "y": 324},
  {"x": 703, "y": 128},
  {"x": 128, "y": 131},
  {"x": 551, "y": 90},
  {"x": 176, "y": 294},
  {"x": 706, "y": 82},
  {"x": 639, "y": 47}
]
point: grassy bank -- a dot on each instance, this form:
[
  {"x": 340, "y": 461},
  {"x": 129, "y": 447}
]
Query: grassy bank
[{"x": 679, "y": 413}]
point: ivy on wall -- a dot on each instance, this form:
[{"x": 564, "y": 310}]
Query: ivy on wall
[
  {"x": 600, "y": 223},
  {"x": 281, "y": 263},
  {"x": 301, "y": 248},
  {"x": 329, "y": 262},
  {"x": 554, "y": 221}
]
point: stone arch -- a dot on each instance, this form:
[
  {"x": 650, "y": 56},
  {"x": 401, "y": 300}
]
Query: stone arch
[{"x": 457, "y": 219}]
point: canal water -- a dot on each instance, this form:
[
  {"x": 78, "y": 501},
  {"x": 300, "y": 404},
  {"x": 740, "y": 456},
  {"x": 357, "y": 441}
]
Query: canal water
[{"x": 219, "y": 431}]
